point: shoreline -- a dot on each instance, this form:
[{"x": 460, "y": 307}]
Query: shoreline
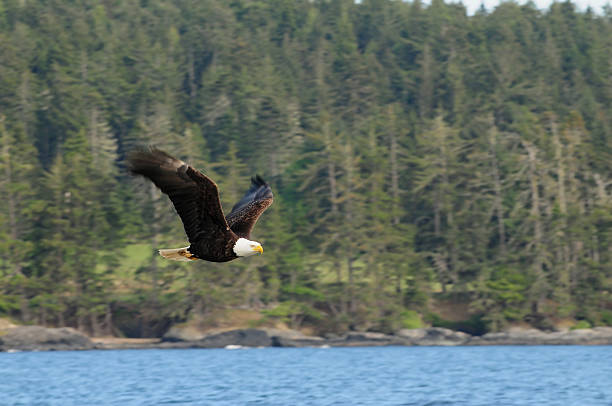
[{"x": 36, "y": 338}]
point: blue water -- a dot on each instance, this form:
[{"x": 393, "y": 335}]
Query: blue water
[{"x": 488, "y": 376}]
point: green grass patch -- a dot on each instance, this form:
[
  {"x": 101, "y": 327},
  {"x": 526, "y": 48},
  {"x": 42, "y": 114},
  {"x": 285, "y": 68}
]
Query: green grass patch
[
  {"x": 581, "y": 324},
  {"x": 129, "y": 259},
  {"x": 411, "y": 319}
]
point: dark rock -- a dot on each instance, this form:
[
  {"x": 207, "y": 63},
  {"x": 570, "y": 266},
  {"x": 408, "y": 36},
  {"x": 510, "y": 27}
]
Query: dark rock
[
  {"x": 433, "y": 336},
  {"x": 37, "y": 338},
  {"x": 249, "y": 337},
  {"x": 293, "y": 338}
]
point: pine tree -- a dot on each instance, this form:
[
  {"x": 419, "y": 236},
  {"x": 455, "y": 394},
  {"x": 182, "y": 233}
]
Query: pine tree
[{"x": 19, "y": 171}]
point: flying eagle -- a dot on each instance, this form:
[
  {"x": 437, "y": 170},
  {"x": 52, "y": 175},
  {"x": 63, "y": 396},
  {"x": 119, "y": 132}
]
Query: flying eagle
[{"x": 213, "y": 236}]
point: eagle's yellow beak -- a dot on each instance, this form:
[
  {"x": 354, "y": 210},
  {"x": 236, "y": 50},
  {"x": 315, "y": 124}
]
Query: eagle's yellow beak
[{"x": 259, "y": 249}]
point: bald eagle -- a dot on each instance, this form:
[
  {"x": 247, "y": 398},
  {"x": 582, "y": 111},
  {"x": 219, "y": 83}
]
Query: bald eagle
[{"x": 212, "y": 236}]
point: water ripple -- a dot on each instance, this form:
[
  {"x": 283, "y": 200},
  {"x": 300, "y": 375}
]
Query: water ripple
[{"x": 411, "y": 376}]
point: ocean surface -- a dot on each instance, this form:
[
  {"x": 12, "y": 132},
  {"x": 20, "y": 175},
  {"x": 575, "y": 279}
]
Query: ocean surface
[{"x": 539, "y": 375}]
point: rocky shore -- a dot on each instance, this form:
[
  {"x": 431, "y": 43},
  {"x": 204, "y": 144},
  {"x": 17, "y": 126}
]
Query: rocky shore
[{"x": 36, "y": 338}]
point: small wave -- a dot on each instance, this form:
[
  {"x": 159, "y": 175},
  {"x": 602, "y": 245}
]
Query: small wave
[{"x": 234, "y": 347}]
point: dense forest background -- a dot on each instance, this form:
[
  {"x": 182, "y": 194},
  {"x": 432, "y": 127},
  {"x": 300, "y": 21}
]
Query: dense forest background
[{"x": 421, "y": 159}]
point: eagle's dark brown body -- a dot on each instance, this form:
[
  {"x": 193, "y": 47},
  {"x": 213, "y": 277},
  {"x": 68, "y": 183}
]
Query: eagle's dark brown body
[
  {"x": 218, "y": 249},
  {"x": 196, "y": 199}
]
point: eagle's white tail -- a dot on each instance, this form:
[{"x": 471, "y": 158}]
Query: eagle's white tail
[{"x": 178, "y": 254}]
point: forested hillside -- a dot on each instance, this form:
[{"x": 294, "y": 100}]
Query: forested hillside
[{"x": 417, "y": 155}]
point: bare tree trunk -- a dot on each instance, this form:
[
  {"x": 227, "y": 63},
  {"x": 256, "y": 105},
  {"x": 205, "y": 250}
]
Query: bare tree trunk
[
  {"x": 437, "y": 220},
  {"x": 560, "y": 167},
  {"x": 333, "y": 193},
  {"x": 394, "y": 172},
  {"x": 154, "y": 269},
  {"x": 331, "y": 171},
  {"x": 191, "y": 73},
  {"x": 338, "y": 271},
  {"x": 574, "y": 246},
  {"x": 93, "y": 133},
  {"x": 60, "y": 319},
  {"x": 436, "y": 204},
  {"x": 349, "y": 222},
  {"x": 154, "y": 236},
  {"x": 108, "y": 321},
  {"x": 451, "y": 234},
  {"x": 535, "y": 193},
  {"x": 24, "y": 95},
  {"x": 537, "y": 226},
  {"x": 426, "y": 89},
  {"x": 80, "y": 319},
  {"x": 602, "y": 195},
  {"x": 351, "y": 283},
  {"x": 497, "y": 186},
  {"x": 602, "y": 199},
  {"x": 95, "y": 325},
  {"x": 563, "y": 254},
  {"x": 338, "y": 266}
]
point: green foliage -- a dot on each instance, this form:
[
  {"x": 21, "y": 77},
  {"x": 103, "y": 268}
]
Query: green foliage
[
  {"x": 412, "y": 151},
  {"x": 8, "y": 303},
  {"x": 293, "y": 313},
  {"x": 606, "y": 317},
  {"x": 581, "y": 324},
  {"x": 411, "y": 319},
  {"x": 508, "y": 288},
  {"x": 303, "y": 293}
]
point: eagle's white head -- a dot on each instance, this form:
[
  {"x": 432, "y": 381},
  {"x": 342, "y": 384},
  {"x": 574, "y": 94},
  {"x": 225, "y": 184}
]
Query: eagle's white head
[{"x": 246, "y": 248}]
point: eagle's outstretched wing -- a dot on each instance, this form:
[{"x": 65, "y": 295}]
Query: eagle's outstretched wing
[
  {"x": 194, "y": 195},
  {"x": 245, "y": 213}
]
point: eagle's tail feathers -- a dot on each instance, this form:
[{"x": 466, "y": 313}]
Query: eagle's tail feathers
[{"x": 178, "y": 254}]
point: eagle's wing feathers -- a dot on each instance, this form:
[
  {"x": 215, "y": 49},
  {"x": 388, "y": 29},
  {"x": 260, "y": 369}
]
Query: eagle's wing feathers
[
  {"x": 194, "y": 195},
  {"x": 245, "y": 213}
]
